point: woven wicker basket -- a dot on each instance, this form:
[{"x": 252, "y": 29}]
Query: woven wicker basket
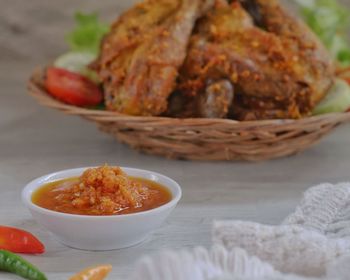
[{"x": 202, "y": 139}]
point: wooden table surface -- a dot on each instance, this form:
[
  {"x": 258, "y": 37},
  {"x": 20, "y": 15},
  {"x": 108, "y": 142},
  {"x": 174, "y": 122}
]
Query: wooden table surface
[{"x": 35, "y": 141}]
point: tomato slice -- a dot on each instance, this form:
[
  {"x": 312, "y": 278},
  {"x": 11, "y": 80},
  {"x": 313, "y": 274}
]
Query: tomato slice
[{"x": 72, "y": 88}]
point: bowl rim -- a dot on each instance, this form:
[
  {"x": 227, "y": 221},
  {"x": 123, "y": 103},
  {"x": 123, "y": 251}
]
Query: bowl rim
[{"x": 38, "y": 182}]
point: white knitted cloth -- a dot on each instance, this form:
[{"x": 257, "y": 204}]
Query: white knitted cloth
[
  {"x": 219, "y": 264},
  {"x": 325, "y": 209},
  {"x": 312, "y": 238},
  {"x": 314, "y": 241},
  {"x": 201, "y": 264}
]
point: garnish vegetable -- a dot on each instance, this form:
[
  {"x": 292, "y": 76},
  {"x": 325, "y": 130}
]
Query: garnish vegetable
[
  {"x": 330, "y": 21},
  {"x": 87, "y": 35},
  {"x": 337, "y": 100},
  {"x": 19, "y": 241},
  {"x": 84, "y": 42},
  {"x": 77, "y": 62},
  {"x": 15, "y": 264},
  {"x": 72, "y": 88}
]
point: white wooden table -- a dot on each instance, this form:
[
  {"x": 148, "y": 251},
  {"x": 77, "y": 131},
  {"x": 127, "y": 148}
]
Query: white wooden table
[{"x": 35, "y": 141}]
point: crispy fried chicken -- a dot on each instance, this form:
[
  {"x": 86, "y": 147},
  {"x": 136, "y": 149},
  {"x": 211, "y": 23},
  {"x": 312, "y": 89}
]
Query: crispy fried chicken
[
  {"x": 246, "y": 60},
  {"x": 278, "y": 71},
  {"x": 141, "y": 55}
]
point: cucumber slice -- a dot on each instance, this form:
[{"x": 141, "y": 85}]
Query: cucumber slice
[
  {"x": 77, "y": 62},
  {"x": 336, "y": 101},
  {"x": 74, "y": 61}
]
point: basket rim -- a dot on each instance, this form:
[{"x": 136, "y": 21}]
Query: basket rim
[{"x": 41, "y": 95}]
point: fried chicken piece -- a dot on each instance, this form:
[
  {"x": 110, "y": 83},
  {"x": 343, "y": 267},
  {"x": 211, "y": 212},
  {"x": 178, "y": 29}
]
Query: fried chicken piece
[
  {"x": 316, "y": 68},
  {"x": 267, "y": 69},
  {"x": 214, "y": 102},
  {"x": 141, "y": 55}
]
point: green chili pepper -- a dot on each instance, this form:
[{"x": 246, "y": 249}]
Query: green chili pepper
[{"x": 15, "y": 264}]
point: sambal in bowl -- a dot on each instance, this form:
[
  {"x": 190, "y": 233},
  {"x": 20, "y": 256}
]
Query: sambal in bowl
[{"x": 101, "y": 208}]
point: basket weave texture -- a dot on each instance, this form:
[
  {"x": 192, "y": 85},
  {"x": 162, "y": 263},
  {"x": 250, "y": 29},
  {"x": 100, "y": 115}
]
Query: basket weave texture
[{"x": 201, "y": 139}]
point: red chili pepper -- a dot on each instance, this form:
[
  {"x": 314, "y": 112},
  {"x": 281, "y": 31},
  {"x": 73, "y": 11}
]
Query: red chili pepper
[{"x": 19, "y": 241}]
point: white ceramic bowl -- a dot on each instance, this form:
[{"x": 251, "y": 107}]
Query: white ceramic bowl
[{"x": 98, "y": 233}]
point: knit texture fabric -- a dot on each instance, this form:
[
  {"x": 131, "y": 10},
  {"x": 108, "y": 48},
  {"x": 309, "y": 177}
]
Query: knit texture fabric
[
  {"x": 308, "y": 242},
  {"x": 221, "y": 264},
  {"x": 201, "y": 264},
  {"x": 312, "y": 243}
]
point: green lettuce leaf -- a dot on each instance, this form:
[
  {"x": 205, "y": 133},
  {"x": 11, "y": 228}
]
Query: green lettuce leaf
[
  {"x": 88, "y": 33},
  {"x": 330, "y": 21}
]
